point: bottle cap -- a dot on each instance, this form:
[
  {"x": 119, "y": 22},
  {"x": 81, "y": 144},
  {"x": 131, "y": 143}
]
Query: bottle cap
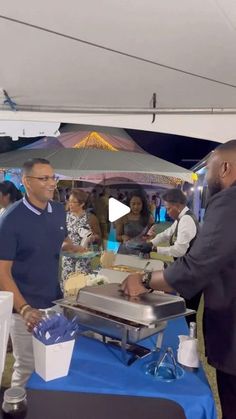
[
  {"x": 14, "y": 395},
  {"x": 193, "y": 330}
]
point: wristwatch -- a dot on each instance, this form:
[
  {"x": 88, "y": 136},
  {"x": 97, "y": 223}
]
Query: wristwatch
[{"x": 146, "y": 279}]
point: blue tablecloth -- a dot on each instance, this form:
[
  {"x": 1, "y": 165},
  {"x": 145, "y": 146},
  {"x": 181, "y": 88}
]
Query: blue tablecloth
[{"x": 95, "y": 368}]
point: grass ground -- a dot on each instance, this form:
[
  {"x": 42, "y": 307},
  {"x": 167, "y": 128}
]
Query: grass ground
[
  {"x": 6, "y": 378},
  {"x": 210, "y": 372}
]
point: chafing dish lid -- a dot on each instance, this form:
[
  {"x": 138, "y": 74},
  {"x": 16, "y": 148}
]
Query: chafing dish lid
[{"x": 146, "y": 309}]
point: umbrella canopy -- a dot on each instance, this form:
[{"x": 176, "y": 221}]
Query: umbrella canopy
[
  {"x": 86, "y": 136},
  {"x": 149, "y": 179},
  {"x": 78, "y": 162}
]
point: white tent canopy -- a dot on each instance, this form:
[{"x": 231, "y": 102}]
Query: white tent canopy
[
  {"x": 78, "y": 162},
  {"x": 102, "y": 64}
]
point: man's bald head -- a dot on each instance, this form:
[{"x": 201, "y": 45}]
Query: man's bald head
[
  {"x": 222, "y": 167},
  {"x": 227, "y": 149}
]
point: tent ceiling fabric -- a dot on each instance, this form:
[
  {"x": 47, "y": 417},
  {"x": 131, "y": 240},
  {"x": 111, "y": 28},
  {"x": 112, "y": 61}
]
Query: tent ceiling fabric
[
  {"x": 77, "y": 162},
  {"x": 107, "y": 54},
  {"x": 219, "y": 128}
]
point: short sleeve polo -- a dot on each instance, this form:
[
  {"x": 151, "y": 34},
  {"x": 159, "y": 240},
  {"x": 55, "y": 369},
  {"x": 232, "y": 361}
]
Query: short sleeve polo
[{"x": 32, "y": 239}]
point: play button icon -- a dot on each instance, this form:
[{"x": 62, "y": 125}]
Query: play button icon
[{"x": 116, "y": 209}]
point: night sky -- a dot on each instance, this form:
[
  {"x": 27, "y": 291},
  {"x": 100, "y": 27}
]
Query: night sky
[
  {"x": 172, "y": 148},
  {"x": 6, "y": 143}
]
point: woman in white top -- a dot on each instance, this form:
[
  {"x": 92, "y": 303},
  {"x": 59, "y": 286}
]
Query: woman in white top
[{"x": 83, "y": 229}]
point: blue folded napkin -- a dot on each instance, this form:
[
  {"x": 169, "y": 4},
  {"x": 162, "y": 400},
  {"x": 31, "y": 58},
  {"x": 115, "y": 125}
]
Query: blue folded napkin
[{"x": 55, "y": 329}]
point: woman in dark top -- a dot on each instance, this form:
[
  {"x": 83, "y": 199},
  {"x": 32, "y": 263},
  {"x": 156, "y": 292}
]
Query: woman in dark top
[
  {"x": 8, "y": 195},
  {"x": 133, "y": 227}
]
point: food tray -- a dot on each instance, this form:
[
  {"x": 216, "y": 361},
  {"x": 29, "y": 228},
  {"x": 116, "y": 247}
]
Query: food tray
[
  {"x": 125, "y": 268},
  {"x": 86, "y": 255},
  {"x": 146, "y": 309}
]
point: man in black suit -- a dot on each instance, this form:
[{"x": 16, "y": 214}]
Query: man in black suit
[{"x": 210, "y": 266}]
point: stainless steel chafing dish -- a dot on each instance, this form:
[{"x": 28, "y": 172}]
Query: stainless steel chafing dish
[{"x": 104, "y": 309}]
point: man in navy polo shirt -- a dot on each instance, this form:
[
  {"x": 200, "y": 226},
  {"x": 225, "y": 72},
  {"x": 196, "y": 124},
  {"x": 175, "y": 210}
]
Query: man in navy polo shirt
[{"x": 32, "y": 232}]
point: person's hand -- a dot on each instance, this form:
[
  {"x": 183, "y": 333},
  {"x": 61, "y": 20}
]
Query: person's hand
[
  {"x": 132, "y": 285},
  {"x": 93, "y": 238},
  {"x": 32, "y": 317},
  {"x": 76, "y": 248},
  {"x": 69, "y": 247},
  {"x": 152, "y": 232},
  {"x": 144, "y": 247},
  {"x": 145, "y": 238}
]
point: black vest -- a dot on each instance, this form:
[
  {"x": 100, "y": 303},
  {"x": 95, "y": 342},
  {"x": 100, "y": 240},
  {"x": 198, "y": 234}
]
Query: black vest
[{"x": 175, "y": 234}]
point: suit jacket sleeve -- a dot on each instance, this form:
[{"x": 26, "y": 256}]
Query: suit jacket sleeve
[{"x": 213, "y": 249}]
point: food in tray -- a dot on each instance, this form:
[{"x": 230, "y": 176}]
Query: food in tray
[
  {"x": 74, "y": 282},
  {"x": 77, "y": 280},
  {"x": 107, "y": 259},
  {"x": 96, "y": 279},
  {"x": 125, "y": 268}
]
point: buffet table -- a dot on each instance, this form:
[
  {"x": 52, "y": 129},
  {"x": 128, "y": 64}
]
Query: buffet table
[
  {"x": 96, "y": 368},
  {"x": 61, "y": 405}
]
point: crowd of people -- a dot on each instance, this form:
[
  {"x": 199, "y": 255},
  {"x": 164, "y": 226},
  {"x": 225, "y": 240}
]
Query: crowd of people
[
  {"x": 35, "y": 228},
  {"x": 98, "y": 198}
]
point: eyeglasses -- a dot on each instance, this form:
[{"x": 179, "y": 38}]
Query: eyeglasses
[{"x": 45, "y": 179}]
